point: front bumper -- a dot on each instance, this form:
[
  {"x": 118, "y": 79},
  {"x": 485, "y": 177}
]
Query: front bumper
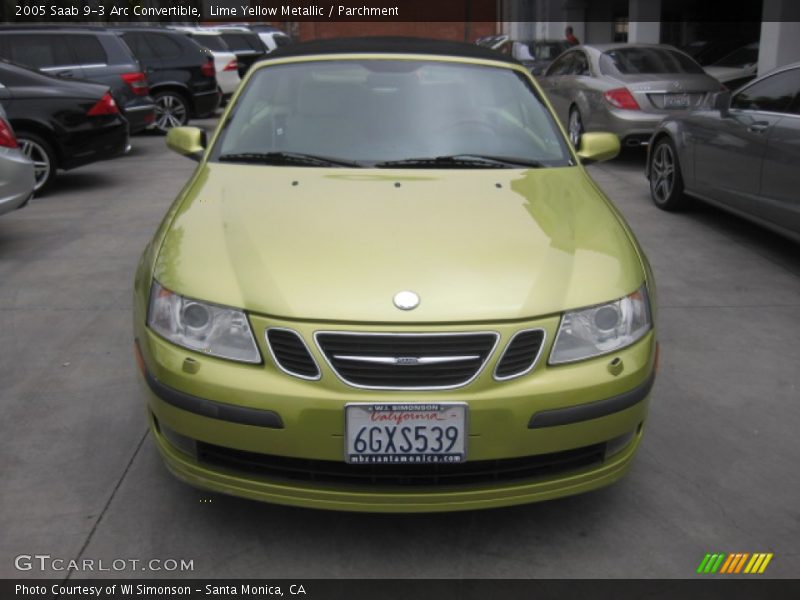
[{"x": 257, "y": 410}]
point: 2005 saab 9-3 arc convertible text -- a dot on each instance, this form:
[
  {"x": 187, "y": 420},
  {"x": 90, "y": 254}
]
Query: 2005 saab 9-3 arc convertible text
[{"x": 391, "y": 286}]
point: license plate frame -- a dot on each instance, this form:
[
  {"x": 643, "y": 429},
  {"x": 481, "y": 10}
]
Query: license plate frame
[{"x": 381, "y": 416}]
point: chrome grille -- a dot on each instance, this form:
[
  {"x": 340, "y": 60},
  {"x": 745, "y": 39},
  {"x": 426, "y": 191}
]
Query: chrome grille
[{"x": 401, "y": 361}]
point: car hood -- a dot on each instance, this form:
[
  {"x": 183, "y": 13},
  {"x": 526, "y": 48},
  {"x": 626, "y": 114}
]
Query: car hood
[{"x": 338, "y": 244}]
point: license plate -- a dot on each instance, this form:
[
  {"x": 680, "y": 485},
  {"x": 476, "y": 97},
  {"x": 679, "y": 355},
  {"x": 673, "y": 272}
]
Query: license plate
[
  {"x": 405, "y": 433},
  {"x": 676, "y": 101}
]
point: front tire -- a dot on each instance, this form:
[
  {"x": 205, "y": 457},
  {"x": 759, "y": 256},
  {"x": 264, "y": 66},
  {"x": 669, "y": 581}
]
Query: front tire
[
  {"x": 41, "y": 153},
  {"x": 666, "y": 181},
  {"x": 575, "y": 127},
  {"x": 172, "y": 110}
]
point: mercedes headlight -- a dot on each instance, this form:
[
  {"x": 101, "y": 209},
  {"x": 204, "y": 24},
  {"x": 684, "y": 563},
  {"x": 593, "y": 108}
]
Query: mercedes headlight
[
  {"x": 215, "y": 330},
  {"x": 601, "y": 329}
]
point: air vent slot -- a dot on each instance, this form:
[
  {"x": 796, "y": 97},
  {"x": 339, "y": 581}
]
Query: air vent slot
[
  {"x": 291, "y": 354},
  {"x": 520, "y": 355}
]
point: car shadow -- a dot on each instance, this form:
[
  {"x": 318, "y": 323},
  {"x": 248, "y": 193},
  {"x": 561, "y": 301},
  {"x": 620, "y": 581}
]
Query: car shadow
[
  {"x": 765, "y": 242},
  {"x": 73, "y": 181}
]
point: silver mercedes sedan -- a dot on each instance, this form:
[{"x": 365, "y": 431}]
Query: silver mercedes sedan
[
  {"x": 16, "y": 170},
  {"x": 741, "y": 154},
  {"x": 626, "y": 89}
]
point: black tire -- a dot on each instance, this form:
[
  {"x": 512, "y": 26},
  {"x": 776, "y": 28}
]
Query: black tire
[
  {"x": 575, "y": 127},
  {"x": 40, "y": 151},
  {"x": 172, "y": 110},
  {"x": 666, "y": 181}
]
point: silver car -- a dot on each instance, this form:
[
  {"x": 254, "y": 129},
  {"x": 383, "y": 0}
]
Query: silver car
[
  {"x": 743, "y": 154},
  {"x": 626, "y": 89},
  {"x": 16, "y": 170}
]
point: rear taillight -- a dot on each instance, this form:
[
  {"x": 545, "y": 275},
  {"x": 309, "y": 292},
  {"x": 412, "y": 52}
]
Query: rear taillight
[
  {"x": 7, "y": 139},
  {"x": 208, "y": 68},
  {"x": 232, "y": 66},
  {"x": 621, "y": 98},
  {"x": 104, "y": 106},
  {"x": 137, "y": 82}
]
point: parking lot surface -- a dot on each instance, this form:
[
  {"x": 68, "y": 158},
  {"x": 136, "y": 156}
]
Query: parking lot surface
[{"x": 717, "y": 470}]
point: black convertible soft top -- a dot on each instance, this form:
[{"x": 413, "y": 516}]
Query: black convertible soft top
[{"x": 389, "y": 45}]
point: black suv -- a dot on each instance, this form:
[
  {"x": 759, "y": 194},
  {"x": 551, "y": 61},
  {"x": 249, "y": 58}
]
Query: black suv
[
  {"x": 181, "y": 74},
  {"x": 95, "y": 55}
]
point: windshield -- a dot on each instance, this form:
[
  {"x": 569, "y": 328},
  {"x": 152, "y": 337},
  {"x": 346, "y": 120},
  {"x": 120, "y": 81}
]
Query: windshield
[
  {"x": 371, "y": 112},
  {"x": 636, "y": 61},
  {"x": 739, "y": 58}
]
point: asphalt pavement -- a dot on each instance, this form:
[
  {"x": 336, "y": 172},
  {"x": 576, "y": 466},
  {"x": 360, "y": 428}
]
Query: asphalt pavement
[{"x": 81, "y": 478}]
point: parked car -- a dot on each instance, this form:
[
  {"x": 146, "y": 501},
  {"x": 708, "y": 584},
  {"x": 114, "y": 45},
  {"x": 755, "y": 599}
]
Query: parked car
[
  {"x": 181, "y": 73},
  {"x": 225, "y": 62},
  {"x": 272, "y": 37},
  {"x": 60, "y": 124},
  {"x": 16, "y": 169},
  {"x": 537, "y": 55},
  {"x": 741, "y": 155},
  {"x": 737, "y": 68},
  {"x": 474, "y": 328},
  {"x": 246, "y": 44},
  {"x": 92, "y": 54},
  {"x": 707, "y": 52},
  {"x": 624, "y": 88}
]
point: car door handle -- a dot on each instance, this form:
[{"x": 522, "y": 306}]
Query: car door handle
[{"x": 758, "y": 127}]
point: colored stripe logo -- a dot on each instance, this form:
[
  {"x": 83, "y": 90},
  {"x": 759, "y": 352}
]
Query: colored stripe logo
[{"x": 735, "y": 563}]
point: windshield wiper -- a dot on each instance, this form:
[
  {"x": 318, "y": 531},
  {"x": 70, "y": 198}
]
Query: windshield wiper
[
  {"x": 455, "y": 161},
  {"x": 288, "y": 158}
]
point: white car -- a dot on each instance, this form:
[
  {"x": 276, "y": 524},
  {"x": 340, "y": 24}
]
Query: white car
[
  {"x": 226, "y": 63},
  {"x": 736, "y": 68},
  {"x": 272, "y": 39}
]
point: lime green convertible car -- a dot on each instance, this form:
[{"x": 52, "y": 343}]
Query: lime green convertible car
[{"x": 390, "y": 285}]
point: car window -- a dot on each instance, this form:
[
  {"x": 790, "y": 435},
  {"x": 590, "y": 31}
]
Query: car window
[
  {"x": 635, "y": 61},
  {"x": 281, "y": 40},
  {"x": 164, "y": 46},
  {"x": 580, "y": 66},
  {"x": 241, "y": 42},
  {"x": 548, "y": 51},
  {"x": 212, "y": 42},
  {"x": 385, "y": 110},
  {"x": 40, "y": 51},
  {"x": 138, "y": 44},
  {"x": 772, "y": 94},
  {"x": 87, "y": 49},
  {"x": 747, "y": 55},
  {"x": 562, "y": 66}
]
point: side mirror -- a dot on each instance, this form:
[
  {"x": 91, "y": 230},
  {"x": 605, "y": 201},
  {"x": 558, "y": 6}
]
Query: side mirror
[
  {"x": 597, "y": 146},
  {"x": 721, "y": 101},
  {"x": 187, "y": 141}
]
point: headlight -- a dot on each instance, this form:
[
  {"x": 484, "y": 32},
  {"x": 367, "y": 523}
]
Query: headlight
[
  {"x": 215, "y": 330},
  {"x": 602, "y": 329}
]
